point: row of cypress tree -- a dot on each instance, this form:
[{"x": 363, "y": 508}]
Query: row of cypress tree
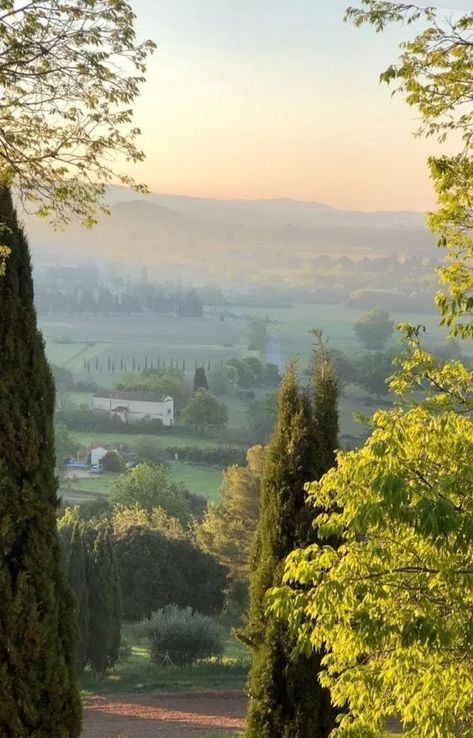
[
  {"x": 91, "y": 572},
  {"x": 286, "y": 699}
]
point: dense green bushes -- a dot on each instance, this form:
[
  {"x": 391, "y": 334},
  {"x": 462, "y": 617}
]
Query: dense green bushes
[
  {"x": 220, "y": 456},
  {"x": 150, "y": 486},
  {"x": 156, "y": 571},
  {"x": 84, "y": 419},
  {"x": 183, "y": 635},
  {"x": 91, "y": 571}
]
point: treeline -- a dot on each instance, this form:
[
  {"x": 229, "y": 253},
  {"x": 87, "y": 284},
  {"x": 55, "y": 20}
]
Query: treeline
[
  {"x": 133, "y": 555},
  {"x": 102, "y": 301},
  {"x": 91, "y": 571}
]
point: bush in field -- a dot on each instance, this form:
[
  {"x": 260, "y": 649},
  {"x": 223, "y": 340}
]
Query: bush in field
[
  {"x": 184, "y": 635},
  {"x": 149, "y": 486},
  {"x": 204, "y": 412},
  {"x": 113, "y": 462}
]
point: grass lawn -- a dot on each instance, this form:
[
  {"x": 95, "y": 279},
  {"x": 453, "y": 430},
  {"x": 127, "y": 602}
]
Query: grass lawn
[
  {"x": 165, "y": 440},
  {"x": 139, "y": 674},
  {"x": 203, "y": 480}
]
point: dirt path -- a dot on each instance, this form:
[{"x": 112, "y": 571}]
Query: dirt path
[{"x": 156, "y": 714}]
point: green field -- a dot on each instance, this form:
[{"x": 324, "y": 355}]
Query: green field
[
  {"x": 130, "y": 440},
  {"x": 200, "y": 479},
  {"x": 138, "y": 674}
]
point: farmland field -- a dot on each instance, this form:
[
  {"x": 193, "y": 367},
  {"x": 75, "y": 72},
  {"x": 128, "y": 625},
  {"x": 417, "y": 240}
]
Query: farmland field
[{"x": 202, "y": 480}]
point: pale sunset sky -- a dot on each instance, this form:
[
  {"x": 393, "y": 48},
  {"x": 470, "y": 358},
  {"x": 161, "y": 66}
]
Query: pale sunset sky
[{"x": 276, "y": 98}]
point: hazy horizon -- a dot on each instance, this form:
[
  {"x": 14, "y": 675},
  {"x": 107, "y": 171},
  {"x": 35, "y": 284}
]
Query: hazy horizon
[{"x": 270, "y": 101}]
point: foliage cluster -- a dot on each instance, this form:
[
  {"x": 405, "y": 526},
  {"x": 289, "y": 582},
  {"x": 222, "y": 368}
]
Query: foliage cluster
[
  {"x": 204, "y": 412},
  {"x": 183, "y": 635},
  {"x": 91, "y": 572},
  {"x": 374, "y": 329},
  {"x": 85, "y": 419},
  {"x": 158, "y": 568},
  {"x": 218, "y": 456}
]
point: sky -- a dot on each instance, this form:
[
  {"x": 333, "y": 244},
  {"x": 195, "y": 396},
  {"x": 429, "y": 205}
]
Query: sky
[{"x": 276, "y": 98}]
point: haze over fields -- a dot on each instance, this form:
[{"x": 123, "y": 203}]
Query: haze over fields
[{"x": 250, "y": 239}]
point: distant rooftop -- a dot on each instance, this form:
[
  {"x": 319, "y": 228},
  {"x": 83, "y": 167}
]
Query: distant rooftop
[{"x": 140, "y": 396}]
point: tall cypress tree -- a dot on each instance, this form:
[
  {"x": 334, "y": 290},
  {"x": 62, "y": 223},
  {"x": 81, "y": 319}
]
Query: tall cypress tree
[
  {"x": 77, "y": 580},
  {"x": 286, "y": 699},
  {"x": 200, "y": 379},
  {"x": 104, "y": 602},
  {"x": 326, "y": 394},
  {"x": 116, "y": 595},
  {"x": 38, "y": 691}
]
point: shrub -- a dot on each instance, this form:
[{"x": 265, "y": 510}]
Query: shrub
[
  {"x": 113, "y": 462},
  {"x": 184, "y": 635},
  {"x": 85, "y": 419}
]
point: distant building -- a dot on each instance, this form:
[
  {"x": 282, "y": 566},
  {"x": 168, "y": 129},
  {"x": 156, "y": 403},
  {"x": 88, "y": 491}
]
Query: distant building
[
  {"x": 97, "y": 453},
  {"x": 133, "y": 406}
]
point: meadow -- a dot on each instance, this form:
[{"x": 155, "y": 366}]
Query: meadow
[
  {"x": 200, "y": 479},
  {"x": 137, "y": 673}
]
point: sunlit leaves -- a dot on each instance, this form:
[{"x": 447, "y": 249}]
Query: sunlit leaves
[
  {"x": 70, "y": 72},
  {"x": 392, "y": 605},
  {"x": 434, "y": 72}
]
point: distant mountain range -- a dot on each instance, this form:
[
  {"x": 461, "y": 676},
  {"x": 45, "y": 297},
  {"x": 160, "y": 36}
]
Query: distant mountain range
[{"x": 231, "y": 236}]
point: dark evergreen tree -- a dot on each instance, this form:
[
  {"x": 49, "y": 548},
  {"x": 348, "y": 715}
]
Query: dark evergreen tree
[
  {"x": 200, "y": 379},
  {"x": 115, "y": 631},
  {"x": 326, "y": 393},
  {"x": 77, "y": 580},
  {"x": 38, "y": 691},
  {"x": 286, "y": 699},
  {"x": 103, "y": 610}
]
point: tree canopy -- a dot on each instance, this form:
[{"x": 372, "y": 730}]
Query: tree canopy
[
  {"x": 205, "y": 412},
  {"x": 392, "y": 604},
  {"x": 70, "y": 72},
  {"x": 434, "y": 73},
  {"x": 374, "y": 329}
]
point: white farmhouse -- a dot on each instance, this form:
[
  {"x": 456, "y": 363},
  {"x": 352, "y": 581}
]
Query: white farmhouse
[
  {"x": 97, "y": 453},
  {"x": 133, "y": 406}
]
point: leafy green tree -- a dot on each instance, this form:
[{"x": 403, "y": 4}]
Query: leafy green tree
[
  {"x": 373, "y": 371},
  {"x": 200, "y": 379},
  {"x": 222, "y": 379},
  {"x": 392, "y": 605},
  {"x": 113, "y": 462},
  {"x": 257, "y": 335},
  {"x": 285, "y": 696},
  {"x": 124, "y": 518},
  {"x": 398, "y": 627},
  {"x": 162, "y": 382},
  {"x": 229, "y": 526},
  {"x": 204, "y": 412},
  {"x": 157, "y": 570},
  {"x": 149, "y": 487},
  {"x": 38, "y": 692},
  {"x": 435, "y": 75},
  {"x": 262, "y": 416},
  {"x": 59, "y": 58},
  {"x": 374, "y": 329},
  {"x": 64, "y": 445}
]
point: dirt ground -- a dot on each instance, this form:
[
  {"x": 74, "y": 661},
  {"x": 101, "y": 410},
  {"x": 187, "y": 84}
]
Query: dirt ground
[{"x": 158, "y": 714}]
